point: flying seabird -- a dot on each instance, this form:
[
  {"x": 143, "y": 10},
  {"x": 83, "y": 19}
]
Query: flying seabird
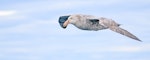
[{"x": 92, "y": 23}]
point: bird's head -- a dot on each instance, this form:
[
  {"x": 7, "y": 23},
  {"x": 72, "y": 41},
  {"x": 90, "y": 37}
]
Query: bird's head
[
  {"x": 63, "y": 21},
  {"x": 69, "y": 19}
]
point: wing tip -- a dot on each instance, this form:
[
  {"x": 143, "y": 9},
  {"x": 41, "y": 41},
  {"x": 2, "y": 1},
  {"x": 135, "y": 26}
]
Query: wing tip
[{"x": 138, "y": 39}]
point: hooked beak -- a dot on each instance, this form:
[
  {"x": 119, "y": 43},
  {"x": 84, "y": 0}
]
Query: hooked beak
[{"x": 63, "y": 21}]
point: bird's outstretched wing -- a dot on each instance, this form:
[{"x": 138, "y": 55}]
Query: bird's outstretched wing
[
  {"x": 112, "y": 25},
  {"x": 123, "y": 32}
]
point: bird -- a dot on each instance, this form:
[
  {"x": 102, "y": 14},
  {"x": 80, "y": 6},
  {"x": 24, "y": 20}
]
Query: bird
[{"x": 92, "y": 23}]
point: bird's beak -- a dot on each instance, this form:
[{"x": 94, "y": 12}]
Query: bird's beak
[
  {"x": 63, "y": 21},
  {"x": 66, "y": 24}
]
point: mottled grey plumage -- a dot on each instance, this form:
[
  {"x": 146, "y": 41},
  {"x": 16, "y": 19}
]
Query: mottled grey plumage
[
  {"x": 86, "y": 22},
  {"x": 89, "y": 22}
]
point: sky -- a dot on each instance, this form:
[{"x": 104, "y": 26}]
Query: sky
[{"x": 29, "y": 30}]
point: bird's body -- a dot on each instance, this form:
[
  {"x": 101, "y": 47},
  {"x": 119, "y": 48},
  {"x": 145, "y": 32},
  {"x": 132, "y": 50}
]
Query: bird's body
[{"x": 89, "y": 22}]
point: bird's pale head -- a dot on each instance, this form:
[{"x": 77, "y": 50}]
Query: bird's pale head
[{"x": 63, "y": 21}]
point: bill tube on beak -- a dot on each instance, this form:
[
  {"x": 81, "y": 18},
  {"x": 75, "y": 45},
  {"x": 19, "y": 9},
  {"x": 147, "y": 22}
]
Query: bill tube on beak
[{"x": 63, "y": 21}]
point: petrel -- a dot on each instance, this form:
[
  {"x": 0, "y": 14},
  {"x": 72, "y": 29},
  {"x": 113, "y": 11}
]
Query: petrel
[{"x": 92, "y": 23}]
